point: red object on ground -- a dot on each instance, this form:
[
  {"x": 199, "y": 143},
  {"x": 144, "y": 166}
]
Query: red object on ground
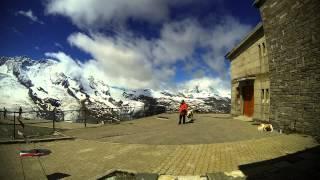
[{"x": 31, "y": 153}]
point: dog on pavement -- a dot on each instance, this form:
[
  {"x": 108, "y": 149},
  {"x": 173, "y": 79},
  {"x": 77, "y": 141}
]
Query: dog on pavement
[
  {"x": 265, "y": 127},
  {"x": 190, "y": 116}
]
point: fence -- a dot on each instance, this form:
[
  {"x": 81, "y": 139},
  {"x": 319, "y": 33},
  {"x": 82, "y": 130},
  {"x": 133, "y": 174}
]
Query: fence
[{"x": 40, "y": 123}]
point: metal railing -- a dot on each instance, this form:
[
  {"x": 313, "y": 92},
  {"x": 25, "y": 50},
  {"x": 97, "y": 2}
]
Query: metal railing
[{"x": 16, "y": 124}]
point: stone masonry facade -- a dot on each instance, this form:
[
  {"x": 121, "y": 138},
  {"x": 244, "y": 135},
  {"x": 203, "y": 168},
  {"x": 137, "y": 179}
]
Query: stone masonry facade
[
  {"x": 249, "y": 66},
  {"x": 292, "y": 32}
]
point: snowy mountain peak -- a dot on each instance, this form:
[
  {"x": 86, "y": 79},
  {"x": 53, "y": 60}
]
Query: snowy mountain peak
[
  {"x": 44, "y": 84},
  {"x": 201, "y": 92}
]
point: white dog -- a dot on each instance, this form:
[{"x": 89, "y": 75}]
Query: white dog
[
  {"x": 190, "y": 116},
  {"x": 265, "y": 127}
]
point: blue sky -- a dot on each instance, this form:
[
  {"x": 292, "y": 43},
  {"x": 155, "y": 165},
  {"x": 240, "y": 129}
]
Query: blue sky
[{"x": 134, "y": 43}]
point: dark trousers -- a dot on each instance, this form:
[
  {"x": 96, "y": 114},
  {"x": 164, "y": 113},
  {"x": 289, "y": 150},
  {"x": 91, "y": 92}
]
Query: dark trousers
[{"x": 183, "y": 117}]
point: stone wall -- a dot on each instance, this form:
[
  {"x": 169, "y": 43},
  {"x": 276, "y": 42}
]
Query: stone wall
[
  {"x": 261, "y": 97},
  {"x": 292, "y": 31},
  {"x": 250, "y": 60}
]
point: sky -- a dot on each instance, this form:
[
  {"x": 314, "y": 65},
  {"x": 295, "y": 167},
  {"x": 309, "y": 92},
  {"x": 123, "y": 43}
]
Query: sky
[{"x": 159, "y": 44}]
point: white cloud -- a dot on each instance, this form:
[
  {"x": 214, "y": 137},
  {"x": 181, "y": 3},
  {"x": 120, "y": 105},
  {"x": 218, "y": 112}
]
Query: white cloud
[
  {"x": 66, "y": 64},
  {"x": 29, "y": 14},
  {"x": 135, "y": 62},
  {"x": 97, "y": 69},
  {"x": 16, "y": 31},
  {"x": 221, "y": 39},
  {"x": 97, "y": 13},
  {"x": 177, "y": 42},
  {"x": 138, "y": 62},
  {"x": 58, "y": 45},
  {"x": 122, "y": 61},
  {"x": 75, "y": 69}
]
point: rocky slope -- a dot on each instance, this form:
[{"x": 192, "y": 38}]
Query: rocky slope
[{"x": 42, "y": 85}]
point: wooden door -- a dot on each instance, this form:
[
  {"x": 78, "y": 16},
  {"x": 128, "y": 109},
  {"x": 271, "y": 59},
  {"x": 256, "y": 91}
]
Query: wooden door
[{"x": 248, "y": 105}]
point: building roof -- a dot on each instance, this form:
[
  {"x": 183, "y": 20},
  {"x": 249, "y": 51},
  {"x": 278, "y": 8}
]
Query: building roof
[
  {"x": 258, "y": 3},
  {"x": 251, "y": 36}
]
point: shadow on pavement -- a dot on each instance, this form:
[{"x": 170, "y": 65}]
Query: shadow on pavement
[
  {"x": 301, "y": 165},
  {"x": 118, "y": 174},
  {"x": 57, "y": 175}
]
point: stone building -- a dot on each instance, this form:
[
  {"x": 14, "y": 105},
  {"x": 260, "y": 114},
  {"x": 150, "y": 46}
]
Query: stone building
[
  {"x": 292, "y": 33},
  {"x": 250, "y": 76},
  {"x": 291, "y": 36}
]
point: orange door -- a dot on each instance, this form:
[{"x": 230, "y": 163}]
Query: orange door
[{"x": 248, "y": 105}]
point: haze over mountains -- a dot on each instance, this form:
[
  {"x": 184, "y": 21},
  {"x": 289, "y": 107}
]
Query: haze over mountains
[{"x": 44, "y": 84}]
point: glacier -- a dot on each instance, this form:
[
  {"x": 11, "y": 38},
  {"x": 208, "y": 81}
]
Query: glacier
[{"x": 41, "y": 85}]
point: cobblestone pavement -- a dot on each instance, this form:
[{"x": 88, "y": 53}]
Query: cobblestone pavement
[
  {"x": 85, "y": 159},
  {"x": 164, "y": 129}
]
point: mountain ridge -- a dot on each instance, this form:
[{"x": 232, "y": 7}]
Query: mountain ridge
[{"x": 42, "y": 85}]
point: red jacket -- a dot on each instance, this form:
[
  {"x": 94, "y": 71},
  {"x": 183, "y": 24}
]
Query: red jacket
[{"x": 183, "y": 108}]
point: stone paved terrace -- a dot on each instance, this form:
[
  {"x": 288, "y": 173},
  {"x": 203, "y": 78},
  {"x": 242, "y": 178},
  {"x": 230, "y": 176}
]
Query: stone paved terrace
[
  {"x": 213, "y": 143},
  {"x": 164, "y": 130}
]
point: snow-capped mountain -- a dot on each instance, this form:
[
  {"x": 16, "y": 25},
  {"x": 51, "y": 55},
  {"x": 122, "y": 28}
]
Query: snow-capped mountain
[
  {"x": 201, "y": 101},
  {"x": 45, "y": 84}
]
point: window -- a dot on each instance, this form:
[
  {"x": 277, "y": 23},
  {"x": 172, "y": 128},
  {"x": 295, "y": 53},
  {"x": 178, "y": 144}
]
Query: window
[
  {"x": 259, "y": 47},
  {"x": 263, "y": 49},
  {"x": 262, "y": 95},
  {"x": 267, "y": 95}
]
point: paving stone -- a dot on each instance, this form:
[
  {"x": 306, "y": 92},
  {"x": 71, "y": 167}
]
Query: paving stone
[
  {"x": 222, "y": 176},
  {"x": 146, "y": 176},
  {"x": 168, "y": 177},
  {"x": 84, "y": 159}
]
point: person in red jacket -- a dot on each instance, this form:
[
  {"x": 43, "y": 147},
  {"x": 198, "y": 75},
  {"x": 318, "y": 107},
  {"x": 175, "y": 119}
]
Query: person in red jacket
[{"x": 183, "y": 109}]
